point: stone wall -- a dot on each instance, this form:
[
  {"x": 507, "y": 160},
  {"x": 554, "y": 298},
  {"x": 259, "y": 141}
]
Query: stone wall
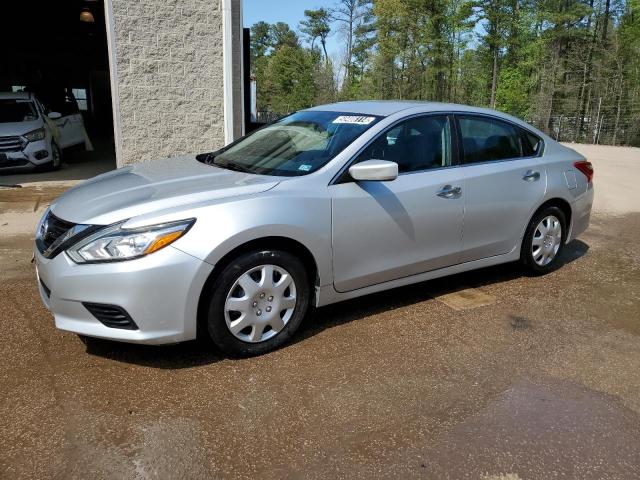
[{"x": 169, "y": 76}]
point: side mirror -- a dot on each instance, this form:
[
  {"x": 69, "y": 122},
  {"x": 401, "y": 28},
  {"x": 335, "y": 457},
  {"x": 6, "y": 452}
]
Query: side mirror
[
  {"x": 376, "y": 170},
  {"x": 54, "y": 115}
]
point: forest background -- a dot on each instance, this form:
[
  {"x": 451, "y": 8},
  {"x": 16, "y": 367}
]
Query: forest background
[{"x": 569, "y": 67}]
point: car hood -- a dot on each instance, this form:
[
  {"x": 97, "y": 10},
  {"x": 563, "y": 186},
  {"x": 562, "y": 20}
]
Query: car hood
[
  {"x": 152, "y": 187},
  {"x": 19, "y": 128}
]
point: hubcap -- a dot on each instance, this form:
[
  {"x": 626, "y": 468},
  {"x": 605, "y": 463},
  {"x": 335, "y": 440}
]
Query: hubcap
[
  {"x": 260, "y": 303},
  {"x": 546, "y": 240}
]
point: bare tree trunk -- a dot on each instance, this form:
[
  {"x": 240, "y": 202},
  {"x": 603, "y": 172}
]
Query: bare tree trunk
[
  {"x": 605, "y": 27},
  {"x": 551, "y": 93},
  {"x": 494, "y": 78},
  {"x": 597, "y": 129},
  {"x": 617, "y": 122},
  {"x": 324, "y": 48},
  {"x": 347, "y": 13},
  {"x": 586, "y": 82},
  {"x": 439, "y": 61},
  {"x": 349, "y": 45}
]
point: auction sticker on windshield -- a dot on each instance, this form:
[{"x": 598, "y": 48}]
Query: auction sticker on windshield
[{"x": 354, "y": 119}]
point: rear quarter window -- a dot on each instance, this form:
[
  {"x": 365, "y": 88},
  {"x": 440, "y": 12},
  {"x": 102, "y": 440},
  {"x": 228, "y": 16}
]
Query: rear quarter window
[{"x": 531, "y": 144}]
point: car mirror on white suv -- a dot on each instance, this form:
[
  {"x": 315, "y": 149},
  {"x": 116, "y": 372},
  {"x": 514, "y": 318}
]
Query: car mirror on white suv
[
  {"x": 376, "y": 170},
  {"x": 54, "y": 115}
]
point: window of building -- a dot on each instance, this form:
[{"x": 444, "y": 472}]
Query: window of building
[{"x": 80, "y": 95}]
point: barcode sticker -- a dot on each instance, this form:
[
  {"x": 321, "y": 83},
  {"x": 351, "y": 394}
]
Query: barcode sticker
[{"x": 354, "y": 119}]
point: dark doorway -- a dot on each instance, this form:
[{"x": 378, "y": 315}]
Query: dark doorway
[{"x": 58, "y": 50}]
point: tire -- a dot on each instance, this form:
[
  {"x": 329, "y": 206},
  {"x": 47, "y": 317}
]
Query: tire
[
  {"x": 56, "y": 162},
  {"x": 543, "y": 244},
  {"x": 269, "y": 312}
]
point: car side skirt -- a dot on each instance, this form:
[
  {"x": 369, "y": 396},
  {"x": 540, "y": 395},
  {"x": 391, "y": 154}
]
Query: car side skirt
[{"x": 327, "y": 294}]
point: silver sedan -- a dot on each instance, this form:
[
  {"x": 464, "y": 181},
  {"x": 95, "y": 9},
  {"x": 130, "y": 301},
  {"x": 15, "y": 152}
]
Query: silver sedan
[{"x": 327, "y": 204}]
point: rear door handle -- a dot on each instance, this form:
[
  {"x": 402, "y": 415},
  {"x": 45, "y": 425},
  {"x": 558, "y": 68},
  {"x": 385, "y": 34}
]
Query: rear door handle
[
  {"x": 531, "y": 176},
  {"x": 449, "y": 191}
]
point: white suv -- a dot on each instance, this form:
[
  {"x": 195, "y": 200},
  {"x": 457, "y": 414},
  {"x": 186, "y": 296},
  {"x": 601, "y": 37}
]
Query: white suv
[{"x": 29, "y": 137}]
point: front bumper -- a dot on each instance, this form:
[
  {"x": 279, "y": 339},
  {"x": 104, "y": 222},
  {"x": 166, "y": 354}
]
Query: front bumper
[
  {"x": 27, "y": 159},
  {"x": 160, "y": 292}
]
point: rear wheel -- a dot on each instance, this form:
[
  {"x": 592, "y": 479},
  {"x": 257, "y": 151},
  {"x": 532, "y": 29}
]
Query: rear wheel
[
  {"x": 258, "y": 302},
  {"x": 543, "y": 241}
]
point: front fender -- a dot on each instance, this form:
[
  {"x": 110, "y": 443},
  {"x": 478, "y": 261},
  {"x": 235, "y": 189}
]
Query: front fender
[{"x": 219, "y": 229}]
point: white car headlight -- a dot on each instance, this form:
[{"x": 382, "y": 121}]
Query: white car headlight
[
  {"x": 35, "y": 135},
  {"x": 116, "y": 243}
]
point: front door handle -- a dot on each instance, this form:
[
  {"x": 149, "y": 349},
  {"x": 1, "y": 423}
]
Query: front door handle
[
  {"x": 531, "y": 176},
  {"x": 449, "y": 191}
]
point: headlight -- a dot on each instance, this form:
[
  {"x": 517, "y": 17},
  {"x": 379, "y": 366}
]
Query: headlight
[
  {"x": 35, "y": 135},
  {"x": 116, "y": 243}
]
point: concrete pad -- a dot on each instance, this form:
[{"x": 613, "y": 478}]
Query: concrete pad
[
  {"x": 466, "y": 299},
  {"x": 21, "y": 208}
]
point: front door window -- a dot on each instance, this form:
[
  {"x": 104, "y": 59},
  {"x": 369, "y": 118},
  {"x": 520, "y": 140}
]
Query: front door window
[{"x": 417, "y": 144}]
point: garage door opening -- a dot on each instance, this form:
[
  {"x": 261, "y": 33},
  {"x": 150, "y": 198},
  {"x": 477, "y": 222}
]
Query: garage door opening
[{"x": 58, "y": 52}]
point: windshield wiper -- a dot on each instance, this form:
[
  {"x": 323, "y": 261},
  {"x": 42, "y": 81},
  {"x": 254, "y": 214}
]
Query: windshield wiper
[
  {"x": 236, "y": 167},
  {"x": 209, "y": 159}
]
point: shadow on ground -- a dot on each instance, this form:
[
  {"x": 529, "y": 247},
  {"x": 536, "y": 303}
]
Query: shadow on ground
[{"x": 203, "y": 352}]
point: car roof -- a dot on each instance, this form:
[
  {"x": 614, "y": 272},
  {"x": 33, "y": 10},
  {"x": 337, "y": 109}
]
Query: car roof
[
  {"x": 389, "y": 107},
  {"x": 16, "y": 96},
  {"x": 385, "y": 108}
]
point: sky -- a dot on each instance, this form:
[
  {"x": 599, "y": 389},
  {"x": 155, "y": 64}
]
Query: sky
[{"x": 288, "y": 11}]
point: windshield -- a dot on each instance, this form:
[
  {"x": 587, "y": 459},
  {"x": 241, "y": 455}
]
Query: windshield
[
  {"x": 12, "y": 110},
  {"x": 296, "y": 145}
]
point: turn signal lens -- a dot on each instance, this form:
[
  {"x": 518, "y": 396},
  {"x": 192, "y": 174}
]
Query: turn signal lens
[
  {"x": 163, "y": 241},
  {"x": 586, "y": 168}
]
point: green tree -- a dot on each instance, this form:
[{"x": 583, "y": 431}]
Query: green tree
[
  {"x": 288, "y": 82},
  {"x": 316, "y": 25},
  {"x": 261, "y": 39},
  {"x": 284, "y": 36},
  {"x": 570, "y": 67},
  {"x": 350, "y": 15}
]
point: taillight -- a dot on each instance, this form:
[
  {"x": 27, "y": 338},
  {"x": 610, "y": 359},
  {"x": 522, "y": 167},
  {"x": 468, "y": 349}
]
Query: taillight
[{"x": 586, "y": 168}]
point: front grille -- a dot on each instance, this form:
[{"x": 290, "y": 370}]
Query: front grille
[
  {"x": 11, "y": 144},
  {"x": 111, "y": 316},
  {"x": 52, "y": 229},
  {"x": 55, "y": 235}
]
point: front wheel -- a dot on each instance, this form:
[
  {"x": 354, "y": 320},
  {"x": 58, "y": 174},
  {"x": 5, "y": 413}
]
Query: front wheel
[
  {"x": 258, "y": 302},
  {"x": 543, "y": 241},
  {"x": 56, "y": 159}
]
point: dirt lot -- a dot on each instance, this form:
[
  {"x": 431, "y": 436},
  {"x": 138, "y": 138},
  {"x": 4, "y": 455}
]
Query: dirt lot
[{"x": 486, "y": 375}]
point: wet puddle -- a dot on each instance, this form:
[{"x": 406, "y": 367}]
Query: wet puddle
[{"x": 551, "y": 430}]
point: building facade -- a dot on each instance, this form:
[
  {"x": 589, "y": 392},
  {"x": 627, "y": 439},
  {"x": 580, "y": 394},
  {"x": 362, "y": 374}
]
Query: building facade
[{"x": 176, "y": 75}]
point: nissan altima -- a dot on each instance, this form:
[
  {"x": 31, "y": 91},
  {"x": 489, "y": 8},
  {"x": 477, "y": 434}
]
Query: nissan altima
[{"x": 326, "y": 204}]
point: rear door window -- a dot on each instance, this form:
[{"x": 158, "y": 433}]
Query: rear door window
[{"x": 486, "y": 139}]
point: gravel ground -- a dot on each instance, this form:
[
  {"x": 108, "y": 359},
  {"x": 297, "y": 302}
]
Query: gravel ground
[{"x": 484, "y": 375}]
